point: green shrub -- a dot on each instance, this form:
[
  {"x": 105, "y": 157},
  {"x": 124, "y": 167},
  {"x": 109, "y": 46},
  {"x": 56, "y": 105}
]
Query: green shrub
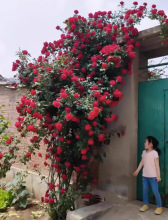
[
  {"x": 6, "y": 198},
  {"x": 19, "y": 191}
]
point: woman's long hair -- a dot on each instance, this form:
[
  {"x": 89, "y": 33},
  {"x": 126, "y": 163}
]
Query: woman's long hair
[{"x": 155, "y": 142}]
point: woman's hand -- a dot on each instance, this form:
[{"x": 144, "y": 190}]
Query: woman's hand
[
  {"x": 158, "y": 179},
  {"x": 135, "y": 173}
]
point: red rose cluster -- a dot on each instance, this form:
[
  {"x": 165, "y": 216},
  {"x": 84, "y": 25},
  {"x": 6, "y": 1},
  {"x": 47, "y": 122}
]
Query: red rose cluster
[{"x": 72, "y": 89}]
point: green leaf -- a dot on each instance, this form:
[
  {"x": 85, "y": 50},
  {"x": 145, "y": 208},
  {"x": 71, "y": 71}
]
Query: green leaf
[
  {"x": 22, "y": 203},
  {"x": 6, "y": 198}
]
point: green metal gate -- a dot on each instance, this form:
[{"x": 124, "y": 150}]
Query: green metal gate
[{"x": 153, "y": 120}]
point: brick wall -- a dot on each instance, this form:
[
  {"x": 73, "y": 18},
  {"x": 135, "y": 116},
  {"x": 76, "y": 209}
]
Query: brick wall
[{"x": 9, "y": 97}]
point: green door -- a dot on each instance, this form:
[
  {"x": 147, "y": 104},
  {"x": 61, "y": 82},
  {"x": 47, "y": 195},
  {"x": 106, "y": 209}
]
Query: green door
[
  {"x": 153, "y": 120},
  {"x": 166, "y": 147}
]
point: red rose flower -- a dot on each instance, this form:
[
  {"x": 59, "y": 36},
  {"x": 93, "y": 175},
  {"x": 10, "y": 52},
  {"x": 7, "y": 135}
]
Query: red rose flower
[
  {"x": 77, "y": 169},
  {"x": 119, "y": 78},
  {"x": 117, "y": 93},
  {"x": 28, "y": 154},
  {"x": 84, "y": 151},
  {"x": 46, "y": 141},
  {"x": 95, "y": 123},
  {"x": 63, "y": 76},
  {"x": 74, "y": 78},
  {"x": 17, "y": 124},
  {"x": 112, "y": 83},
  {"x": 68, "y": 141},
  {"x": 33, "y": 92},
  {"x": 94, "y": 180},
  {"x": 64, "y": 176},
  {"x": 51, "y": 186},
  {"x": 137, "y": 45},
  {"x": 84, "y": 157},
  {"x": 63, "y": 95},
  {"x": 87, "y": 127},
  {"x": 30, "y": 127},
  {"x": 39, "y": 58},
  {"x": 59, "y": 150},
  {"x": 123, "y": 133},
  {"x": 90, "y": 142},
  {"x": 102, "y": 98},
  {"x": 1, "y": 155},
  {"x": 54, "y": 134},
  {"x": 35, "y": 138},
  {"x": 111, "y": 48},
  {"x": 51, "y": 201},
  {"x": 104, "y": 65},
  {"x": 24, "y": 52},
  {"x": 154, "y": 11},
  {"x": 67, "y": 164},
  {"x": 39, "y": 154},
  {"x": 87, "y": 196},
  {"x": 92, "y": 33},
  {"x": 45, "y": 163},
  {"x": 69, "y": 116},
  {"x": 61, "y": 139},
  {"x": 27, "y": 101},
  {"x": 85, "y": 173},
  {"x": 94, "y": 64},
  {"x": 130, "y": 20},
  {"x": 67, "y": 109},
  {"x": 46, "y": 200},
  {"x": 91, "y": 133},
  {"x": 58, "y": 126},
  {"x": 32, "y": 104},
  {"x": 95, "y": 104},
  {"x": 63, "y": 191},
  {"x": 76, "y": 95},
  {"x": 56, "y": 104},
  {"x": 161, "y": 12},
  {"x": 29, "y": 110},
  {"x": 97, "y": 94},
  {"x": 101, "y": 137},
  {"x": 35, "y": 71},
  {"x": 139, "y": 14}
]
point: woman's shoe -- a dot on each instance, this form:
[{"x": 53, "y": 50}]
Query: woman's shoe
[
  {"x": 144, "y": 208},
  {"x": 158, "y": 210}
]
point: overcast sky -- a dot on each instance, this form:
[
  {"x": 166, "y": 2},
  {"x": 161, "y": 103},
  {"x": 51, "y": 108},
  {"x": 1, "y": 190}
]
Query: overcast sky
[{"x": 26, "y": 24}]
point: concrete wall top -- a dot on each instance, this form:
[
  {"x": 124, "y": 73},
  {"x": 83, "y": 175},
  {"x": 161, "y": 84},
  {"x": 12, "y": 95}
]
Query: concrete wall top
[{"x": 152, "y": 45}]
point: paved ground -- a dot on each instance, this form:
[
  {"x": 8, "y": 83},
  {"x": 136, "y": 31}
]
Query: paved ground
[{"x": 130, "y": 211}]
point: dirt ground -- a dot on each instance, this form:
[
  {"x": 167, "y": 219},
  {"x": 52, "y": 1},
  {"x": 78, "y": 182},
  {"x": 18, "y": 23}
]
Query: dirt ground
[{"x": 34, "y": 211}]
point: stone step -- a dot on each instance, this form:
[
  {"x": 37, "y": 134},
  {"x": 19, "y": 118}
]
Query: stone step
[{"x": 90, "y": 212}]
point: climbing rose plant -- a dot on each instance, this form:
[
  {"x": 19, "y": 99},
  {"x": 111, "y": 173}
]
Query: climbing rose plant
[
  {"x": 73, "y": 87},
  {"x": 8, "y": 145}
]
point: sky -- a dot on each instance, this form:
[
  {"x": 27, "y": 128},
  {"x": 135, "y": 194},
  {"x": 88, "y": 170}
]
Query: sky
[{"x": 27, "y": 24}]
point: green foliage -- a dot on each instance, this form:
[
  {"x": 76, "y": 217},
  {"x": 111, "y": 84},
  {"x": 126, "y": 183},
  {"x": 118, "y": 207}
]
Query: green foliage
[
  {"x": 4, "y": 124},
  {"x": 8, "y": 145},
  {"x": 66, "y": 202},
  {"x": 6, "y": 198},
  {"x": 19, "y": 190}
]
